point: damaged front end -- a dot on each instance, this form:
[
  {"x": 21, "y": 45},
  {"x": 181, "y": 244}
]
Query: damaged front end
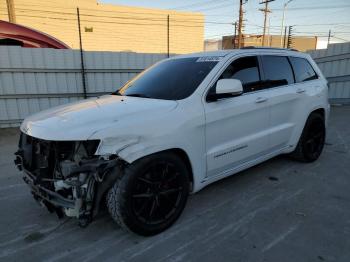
[{"x": 66, "y": 176}]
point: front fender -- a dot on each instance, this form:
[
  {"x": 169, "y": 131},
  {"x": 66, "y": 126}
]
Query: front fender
[
  {"x": 113, "y": 145},
  {"x": 137, "y": 151},
  {"x": 132, "y": 149}
]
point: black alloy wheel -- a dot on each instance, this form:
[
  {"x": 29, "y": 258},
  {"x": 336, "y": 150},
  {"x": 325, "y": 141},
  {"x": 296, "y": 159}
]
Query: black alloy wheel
[
  {"x": 157, "y": 193},
  {"x": 312, "y": 139},
  {"x": 150, "y": 194}
]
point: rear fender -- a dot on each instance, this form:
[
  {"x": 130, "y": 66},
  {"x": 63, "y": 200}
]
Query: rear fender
[{"x": 300, "y": 127}]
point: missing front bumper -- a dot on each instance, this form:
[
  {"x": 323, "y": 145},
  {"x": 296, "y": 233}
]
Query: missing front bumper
[
  {"x": 53, "y": 201},
  {"x": 85, "y": 194}
]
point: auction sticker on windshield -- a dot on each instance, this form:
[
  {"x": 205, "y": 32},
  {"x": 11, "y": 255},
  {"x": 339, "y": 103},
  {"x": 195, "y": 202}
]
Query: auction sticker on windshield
[{"x": 209, "y": 59}]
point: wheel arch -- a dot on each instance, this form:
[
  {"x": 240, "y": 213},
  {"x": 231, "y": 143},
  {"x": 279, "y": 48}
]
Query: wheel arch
[
  {"x": 300, "y": 127},
  {"x": 316, "y": 110},
  {"x": 177, "y": 151},
  {"x": 300, "y": 152},
  {"x": 321, "y": 111},
  {"x": 184, "y": 157}
]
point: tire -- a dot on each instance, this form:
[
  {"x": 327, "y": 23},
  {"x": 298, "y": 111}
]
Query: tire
[
  {"x": 150, "y": 195},
  {"x": 312, "y": 139}
]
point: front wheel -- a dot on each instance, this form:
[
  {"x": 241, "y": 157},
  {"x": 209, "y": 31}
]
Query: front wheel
[
  {"x": 312, "y": 139},
  {"x": 150, "y": 194}
]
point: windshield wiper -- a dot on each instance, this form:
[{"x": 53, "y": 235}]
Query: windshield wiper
[
  {"x": 116, "y": 93},
  {"x": 139, "y": 95}
]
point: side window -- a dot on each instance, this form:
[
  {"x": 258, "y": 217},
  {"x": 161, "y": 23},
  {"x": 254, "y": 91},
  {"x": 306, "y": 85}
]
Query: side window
[
  {"x": 277, "y": 71},
  {"x": 245, "y": 69},
  {"x": 302, "y": 69}
]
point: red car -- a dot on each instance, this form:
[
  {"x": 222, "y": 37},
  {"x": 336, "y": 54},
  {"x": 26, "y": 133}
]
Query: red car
[{"x": 18, "y": 35}]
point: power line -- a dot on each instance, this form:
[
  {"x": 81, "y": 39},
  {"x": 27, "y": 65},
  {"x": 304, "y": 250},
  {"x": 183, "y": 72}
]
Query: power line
[
  {"x": 252, "y": 24},
  {"x": 313, "y": 7},
  {"x": 322, "y": 24},
  {"x": 108, "y": 22},
  {"x": 199, "y": 3},
  {"x": 322, "y": 32},
  {"x": 74, "y": 14},
  {"x": 173, "y": 12},
  {"x": 343, "y": 39},
  {"x": 127, "y": 18},
  {"x": 222, "y": 34},
  {"x": 184, "y": 23},
  {"x": 213, "y": 8},
  {"x": 154, "y": 24}
]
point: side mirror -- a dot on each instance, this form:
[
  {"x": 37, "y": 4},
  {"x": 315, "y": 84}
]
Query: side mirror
[
  {"x": 226, "y": 88},
  {"x": 229, "y": 86}
]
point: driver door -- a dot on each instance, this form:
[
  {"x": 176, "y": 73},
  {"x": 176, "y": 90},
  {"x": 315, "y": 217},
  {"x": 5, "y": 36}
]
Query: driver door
[{"x": 237, "y": 128}]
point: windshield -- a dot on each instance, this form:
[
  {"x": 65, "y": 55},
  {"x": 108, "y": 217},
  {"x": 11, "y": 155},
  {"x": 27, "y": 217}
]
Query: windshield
[{"x": 171, "y": 79}]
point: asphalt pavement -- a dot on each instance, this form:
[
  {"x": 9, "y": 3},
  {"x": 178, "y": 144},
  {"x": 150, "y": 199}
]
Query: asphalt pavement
[{"x": 280, "y": 210}]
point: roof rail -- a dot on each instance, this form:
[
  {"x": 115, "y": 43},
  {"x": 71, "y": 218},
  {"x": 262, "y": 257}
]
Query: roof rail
[{"x": 265, "y": 47}]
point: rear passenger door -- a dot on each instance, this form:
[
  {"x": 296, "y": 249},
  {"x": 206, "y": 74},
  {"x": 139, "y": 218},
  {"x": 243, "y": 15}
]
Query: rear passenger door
[{"x": 278, "y": 79}]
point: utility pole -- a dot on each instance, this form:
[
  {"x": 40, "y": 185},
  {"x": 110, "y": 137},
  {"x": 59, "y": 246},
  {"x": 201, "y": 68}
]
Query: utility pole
[
  {"x": 289, "y": 39},
  {"x": 81, "y": 57},
  {"x": 11, "y": 11},
  {"x": 168, "y": 35},
  {"x": 269, "y": 39},
  {"x": 266, "y": 11},
  {"x": 240, "y": 21},
  {"x": 285, "y": 36},
  {"x": 283, "y": 17},
  {"x": 235, "y": 36},
  {"x": 329, "y": 37}
]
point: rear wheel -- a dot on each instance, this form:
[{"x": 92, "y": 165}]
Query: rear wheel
[
  {"x": 150, "y": 195},
  {"x": 312, "y": 139}
]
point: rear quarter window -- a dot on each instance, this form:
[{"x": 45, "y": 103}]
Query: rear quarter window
[{"x": 303, "y": 71}]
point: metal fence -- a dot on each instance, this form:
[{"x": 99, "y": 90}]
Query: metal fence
[
  {"x": 334, "y": 62},
  {"x": 35, "y": 79}
]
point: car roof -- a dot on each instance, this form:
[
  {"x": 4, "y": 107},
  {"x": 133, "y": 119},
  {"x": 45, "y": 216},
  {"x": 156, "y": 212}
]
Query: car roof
[{"x": 251, "y": 50}]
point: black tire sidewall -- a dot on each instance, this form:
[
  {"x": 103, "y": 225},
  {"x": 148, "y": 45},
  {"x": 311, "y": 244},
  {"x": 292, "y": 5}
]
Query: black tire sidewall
[
  {"x": 308, "y": 126},
  {"x": 127, "y": 182}
]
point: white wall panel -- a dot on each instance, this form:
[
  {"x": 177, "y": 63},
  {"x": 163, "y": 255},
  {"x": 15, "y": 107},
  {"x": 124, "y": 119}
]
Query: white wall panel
[
  {"x": 334, "y": 62},
  {"x": 34, "y": 79}
]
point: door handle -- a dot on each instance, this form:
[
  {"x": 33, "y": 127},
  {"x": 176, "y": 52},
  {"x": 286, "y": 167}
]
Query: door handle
[
  {"x": 300, "y": 90},
  {"x": 261, "y": 100}
]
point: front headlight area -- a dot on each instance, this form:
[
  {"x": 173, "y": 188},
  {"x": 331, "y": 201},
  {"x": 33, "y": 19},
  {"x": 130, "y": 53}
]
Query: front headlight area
[
  {"x": 78, "y": 174},
  {"x": 73, "y": 179},
  {"x": 64, "y": 175}
]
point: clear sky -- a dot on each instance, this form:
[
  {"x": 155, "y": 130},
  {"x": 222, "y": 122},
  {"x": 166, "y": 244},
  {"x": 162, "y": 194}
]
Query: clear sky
[{"x": 311, "y": 17}]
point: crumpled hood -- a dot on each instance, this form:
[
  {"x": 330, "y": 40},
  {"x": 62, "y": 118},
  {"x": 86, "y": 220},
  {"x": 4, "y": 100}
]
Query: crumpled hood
[{"x": 79, "y": 120}]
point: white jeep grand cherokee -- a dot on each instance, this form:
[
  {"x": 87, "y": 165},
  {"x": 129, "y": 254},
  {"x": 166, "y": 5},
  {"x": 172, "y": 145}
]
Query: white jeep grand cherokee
[{"x": 178, "y": 126}]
